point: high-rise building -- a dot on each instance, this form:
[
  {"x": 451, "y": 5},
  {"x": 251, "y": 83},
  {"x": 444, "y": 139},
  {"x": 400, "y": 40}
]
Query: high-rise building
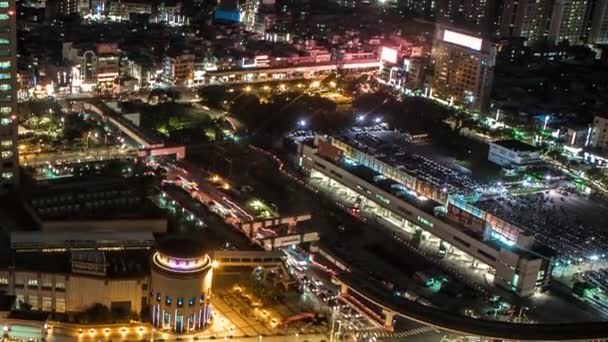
[
  {"x": 9, "y": 161},
  {"x": 475, "y": 15},
  {"x": 599, "y": 23},
  {"x": 464, "y": 69},
  {"x": 423, "y": 8},
  {"x": 567, "y": 21},
  {"x": 526, "y": 18}
]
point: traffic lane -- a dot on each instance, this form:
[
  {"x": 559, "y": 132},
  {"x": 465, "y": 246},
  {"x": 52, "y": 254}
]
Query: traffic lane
[{"x": 199, "y": 177}]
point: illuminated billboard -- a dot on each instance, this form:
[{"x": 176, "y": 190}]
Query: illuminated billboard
[
  {"x": 471, "y": 42},
  {"x": 388, "y": 55}
]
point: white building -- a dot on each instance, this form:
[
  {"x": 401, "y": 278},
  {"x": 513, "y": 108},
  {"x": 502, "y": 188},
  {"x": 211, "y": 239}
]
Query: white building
[{"x": 512, "y": 153}]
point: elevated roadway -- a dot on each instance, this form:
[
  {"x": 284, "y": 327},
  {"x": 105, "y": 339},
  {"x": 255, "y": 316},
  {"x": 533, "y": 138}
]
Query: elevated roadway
[{"x": 392, "y": 306}]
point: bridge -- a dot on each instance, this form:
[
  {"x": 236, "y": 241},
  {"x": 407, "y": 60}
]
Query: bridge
[
  {"x": 287, "y": 73},
  {"x": 359, "y": 285},
  {"x": 151, "y": 145}
]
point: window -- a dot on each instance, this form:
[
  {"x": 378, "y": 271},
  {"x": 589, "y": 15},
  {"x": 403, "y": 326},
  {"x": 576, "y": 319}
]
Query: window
[
  {"x": 32, "y": 282},
  {"x": 5, "y": 110},
  {"x": 158, "y": 296},
  {"x": 180, "y": 301},
  {"x": 202, "y": 298},
  {"x": 5, "y": 65},
  {"x": 7, "y": 175},
  {"x": 7, "y": 154},
  {"x": 5, "y": 76},
  {"x": 4, "y": 41},
  {"x": 3, "y": 4},
  {"x": 5, "y": 87},
  {"x": 5, "y": 52},
  {"x": 33, "y": 301},
  {"x": 191, "y": 301},
  {"x": 59, "y": 285},
  {"x": 168, "y": 300},
  {"x": 5, "y": 121},
  {"x": 3, "y": 16},
  {"x": 60, "y": 305},
  {"x": 7, "y": 143},
  {"x": 47, "y": 303},
  {"x": 4, "y": 281}
]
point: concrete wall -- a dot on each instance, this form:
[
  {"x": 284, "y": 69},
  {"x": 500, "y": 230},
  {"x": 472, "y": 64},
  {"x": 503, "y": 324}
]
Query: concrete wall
[{"x": 82, "y": 292}]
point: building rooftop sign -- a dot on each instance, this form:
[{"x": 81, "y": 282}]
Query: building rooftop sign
[{"x": 470, "y": 42}]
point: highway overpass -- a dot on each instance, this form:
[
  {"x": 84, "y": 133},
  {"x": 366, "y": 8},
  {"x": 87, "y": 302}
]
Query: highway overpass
[{"x": 359, "y": 284}]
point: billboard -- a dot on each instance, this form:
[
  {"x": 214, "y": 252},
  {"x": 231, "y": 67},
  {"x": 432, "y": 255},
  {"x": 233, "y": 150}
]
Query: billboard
[
  {"x": 470, "y": 42},
  {"x": 388, "y": 55}
]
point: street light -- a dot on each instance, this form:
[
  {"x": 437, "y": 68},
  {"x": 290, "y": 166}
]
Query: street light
[
  {"x": 360, "y": 118},
  {"x": 378, "y": 120},
  {"x": 302, "y": 123}
]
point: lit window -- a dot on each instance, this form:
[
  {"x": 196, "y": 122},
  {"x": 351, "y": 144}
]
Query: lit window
[
  {"x": 202, "y": 298},
  {"x": 5, "y": 121},
  {"x": 7, "y": 175},
  {"x": 180, "y": 301},
  {"x": 5, "y": 76},
  {"x": 5, "y": 87},
  {"x": 158, "y": 296},
  {"x": 7, "y": 143},
  {"x": 168, "y": 300},
  {"x": 31, "y": 282},
  {"x": 3, "y": 16},
  {"x": 4, "y": 41},
  {"x": 4, "y": 281},
  {"x": 3, "y": 4},
  {"x": 5, "y": 65},
  {"x": 7, "y": 154},
  {"x": 191, "y": 301},
  {"x": 5, "y": 110}
]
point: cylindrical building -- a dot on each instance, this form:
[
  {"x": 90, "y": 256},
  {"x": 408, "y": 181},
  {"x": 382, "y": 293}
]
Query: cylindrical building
[{"x": 180, "y": 286}]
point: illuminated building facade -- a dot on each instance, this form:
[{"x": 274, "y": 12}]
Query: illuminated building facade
[
  {"x": 567, "y": 21},
  {"x": 96, "y": 65},
  {"x": 9, "y": 161},
  {"x": 180, "y": 287},
  {"x": 599, "y": 132},
  {"x": 599, "y": 23},
  {"x": 464, "y": 69},
  {"x": 479, "y": 16},
  {"x": 526, "y": 18},
  {"x": 178, "y": 68}
]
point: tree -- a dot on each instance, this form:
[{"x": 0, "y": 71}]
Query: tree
[{"x": 213, "y": 96}]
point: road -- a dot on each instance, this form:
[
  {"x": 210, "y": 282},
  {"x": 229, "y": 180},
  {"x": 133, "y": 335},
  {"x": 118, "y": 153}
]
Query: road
[{"x": 208, "y": 192}]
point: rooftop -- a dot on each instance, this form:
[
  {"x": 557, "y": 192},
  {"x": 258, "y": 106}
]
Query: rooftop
[
  {"x": 182, "y": 247},
  {"x": 397, "y": 153},
  {"x": 515, "y": 145},
  {"x": 567, "y": 223}
]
